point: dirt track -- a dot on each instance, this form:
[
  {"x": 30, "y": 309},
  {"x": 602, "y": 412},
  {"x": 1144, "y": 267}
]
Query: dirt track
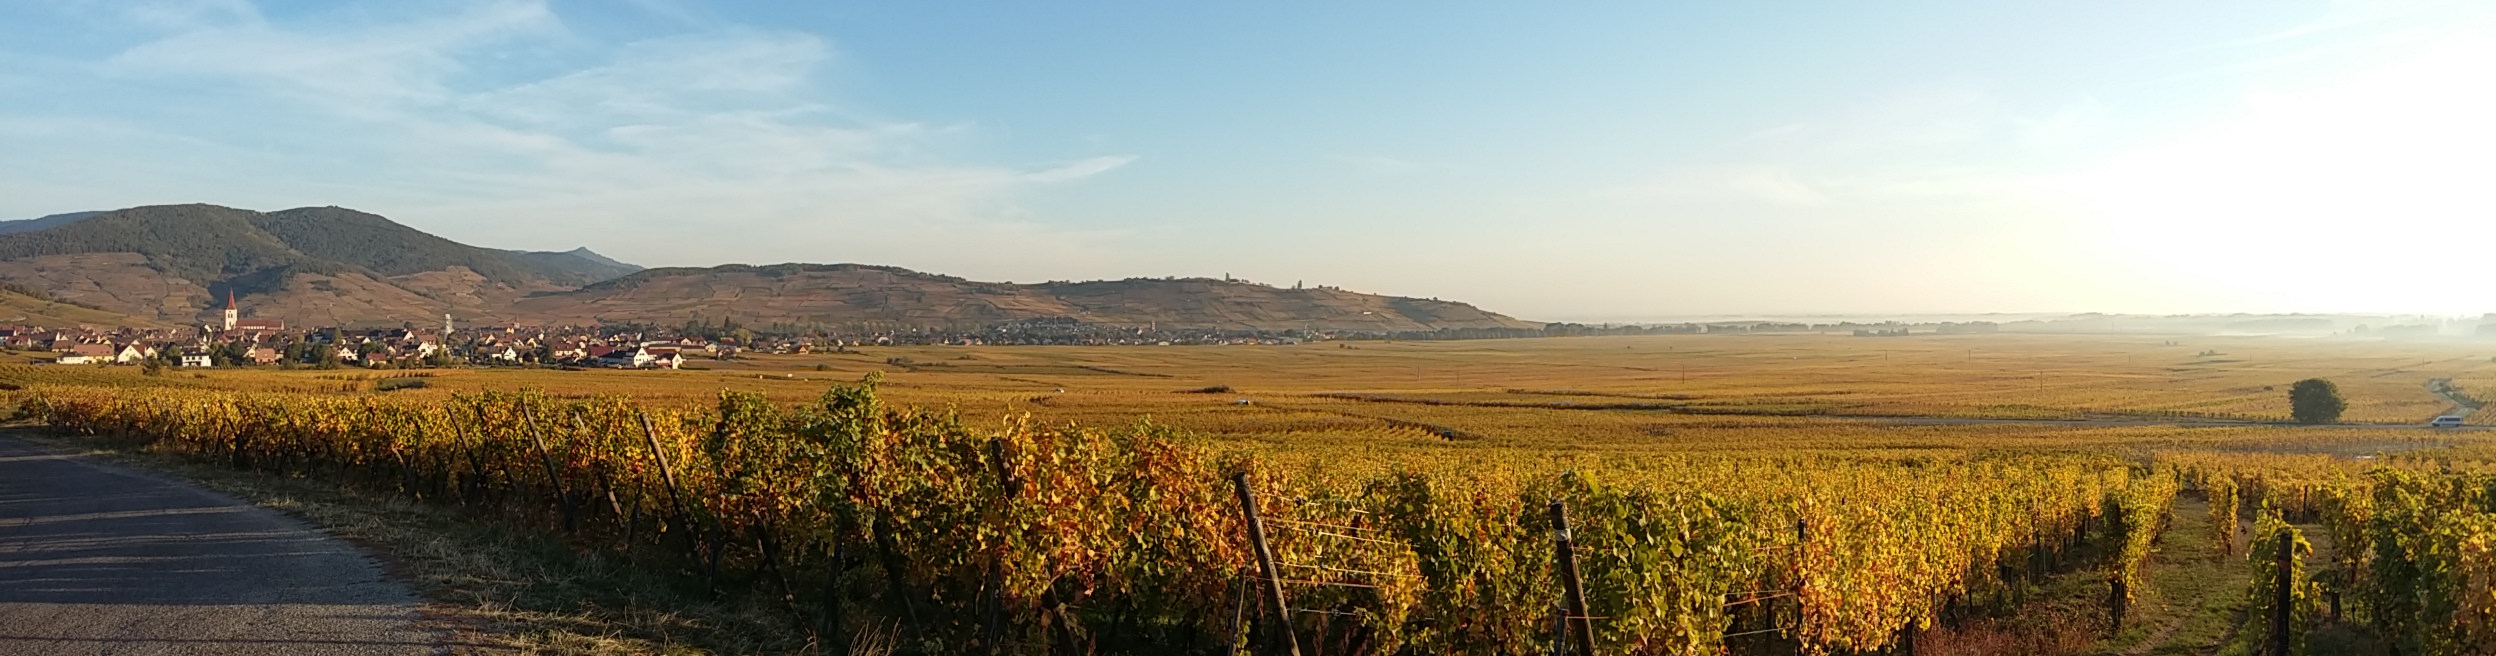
[{"x": 98, "y": 559}]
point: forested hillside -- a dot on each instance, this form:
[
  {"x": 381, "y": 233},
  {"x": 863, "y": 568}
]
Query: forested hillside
[
  {"x": 319, "y": 266},
  {"x": 323, "y": 265}
]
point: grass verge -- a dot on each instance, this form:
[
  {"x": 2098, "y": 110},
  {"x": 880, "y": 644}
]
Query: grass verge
[
  {"x": 2192, "y": 603},
  {"x": 2195, "y": 595}
]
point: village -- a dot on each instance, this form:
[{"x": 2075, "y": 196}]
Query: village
[
  {"x": 262, "y": 342},
  {"x": 236, "y": 341}
]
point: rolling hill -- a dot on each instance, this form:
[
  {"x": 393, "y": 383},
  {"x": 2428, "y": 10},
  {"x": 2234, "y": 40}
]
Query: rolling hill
[
  {"x": 40, "y": 223},
  {"x": 324, "y": 266},
  {"x": 308, "y": 266},
  {"x": 854, "y": 293}
]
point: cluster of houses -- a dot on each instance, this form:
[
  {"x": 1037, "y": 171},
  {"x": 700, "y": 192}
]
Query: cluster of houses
[
  {"x": 264, "y": 342},
  {"x": 242, "y": 341},
  {"x": 373, "y": 348},
  {"x": 236, "y": 341},
  {"x": 107, "y": 351}
]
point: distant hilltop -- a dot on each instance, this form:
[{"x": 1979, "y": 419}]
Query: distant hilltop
[
  {"x": 313, "y": 266},
  {"x": 846, "y": 294},
  {"x": 331, "y": 266}
]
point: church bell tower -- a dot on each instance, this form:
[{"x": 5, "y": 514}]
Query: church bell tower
[{"x": 231, "y": 315}]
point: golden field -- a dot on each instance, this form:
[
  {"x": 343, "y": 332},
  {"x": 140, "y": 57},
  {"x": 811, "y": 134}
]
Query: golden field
[
  {"x": 1634, "y": 394},
  {"x": 1920, "y": 466}
]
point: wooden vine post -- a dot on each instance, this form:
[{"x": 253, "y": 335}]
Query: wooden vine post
[
  {"x": 2118, "y": 598},
  {"x": 1802, "y": 537},
  {"x": 1062, "y": 628},
  {"x": 2280, "y": 599},
  {"x": 476, "y": 461},
  {"x": 1581, "y": 627},
  {"x": 554, "y": 477},
  {"x": 606, "y": 484},
  {"x": 1273, "y": 588},
  {"x": 992, "y": 633},
  {"x": 650, "y": 435}
]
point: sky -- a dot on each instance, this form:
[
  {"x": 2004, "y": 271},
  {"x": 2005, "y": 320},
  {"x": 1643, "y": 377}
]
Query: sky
[{"x": 1595, "y": 161}]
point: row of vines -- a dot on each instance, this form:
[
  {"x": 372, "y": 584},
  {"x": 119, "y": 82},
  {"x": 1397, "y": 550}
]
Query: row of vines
[
  {"x": 1018, "y": 538},
  {"x": 2416, "y": 546}
]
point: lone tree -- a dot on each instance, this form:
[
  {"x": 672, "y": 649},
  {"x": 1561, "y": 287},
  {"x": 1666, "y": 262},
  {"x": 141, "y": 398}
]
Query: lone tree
[{"x": 2315, "y": 401}]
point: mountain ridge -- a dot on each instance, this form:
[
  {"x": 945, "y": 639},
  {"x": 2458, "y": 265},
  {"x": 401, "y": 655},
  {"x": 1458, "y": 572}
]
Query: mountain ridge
[
  {"x": 43, "y": 222},
  {"x": 314, "y": 266},
  {"x": 849, "y": 293}
]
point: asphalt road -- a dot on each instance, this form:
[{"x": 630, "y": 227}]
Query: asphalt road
[{"x": 98, "y": 559}]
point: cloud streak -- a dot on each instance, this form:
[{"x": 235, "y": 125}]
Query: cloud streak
[{"x": 495, "y": 123}]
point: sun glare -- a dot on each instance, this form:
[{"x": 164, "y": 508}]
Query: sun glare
[{"x": 2353, "y": 193}]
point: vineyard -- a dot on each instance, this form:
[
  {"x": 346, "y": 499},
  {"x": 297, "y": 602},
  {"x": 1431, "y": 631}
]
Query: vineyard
[
  {"x": 1391, "y": 521},
  {"x": 1520, "y": 392},
  {"x": 2418, "y": 563},
  {"x": 1031, "y": 539}
]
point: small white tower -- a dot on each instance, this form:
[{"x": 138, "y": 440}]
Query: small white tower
[
  {"x": 446, "y": 324},
  {"x": 231, "y": 315}
]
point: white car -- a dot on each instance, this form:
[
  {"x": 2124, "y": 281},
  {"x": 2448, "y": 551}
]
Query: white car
[{"x": 2446, "y": 421}]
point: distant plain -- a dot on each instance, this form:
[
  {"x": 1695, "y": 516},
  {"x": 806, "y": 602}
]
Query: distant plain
[{"x": 1637, "y": 394}]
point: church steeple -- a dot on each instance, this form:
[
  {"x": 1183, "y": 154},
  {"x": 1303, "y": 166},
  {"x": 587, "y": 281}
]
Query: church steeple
[{"x": 232, "y": 315}]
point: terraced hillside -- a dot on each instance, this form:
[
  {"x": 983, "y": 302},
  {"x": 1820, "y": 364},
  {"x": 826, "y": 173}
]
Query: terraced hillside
[
  {"x": 39, "y": 309},
  {"x": 849, "y": 294}
]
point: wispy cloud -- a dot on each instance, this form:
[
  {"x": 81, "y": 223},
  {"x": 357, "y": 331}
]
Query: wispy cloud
[
  {"x": 1718, "y": 185},
  {"x": 676, "y": 11},
  {"x": 1952, "y": 140},
  {"x": 1079, "y": 169},
  {"x": 2348, "y": 14},
  {"x": 375, "y": 68},
  {"x": 179, "y": 14},
  {"x": 1374, "y": 164},
  {"x": 494, "y": 122}
]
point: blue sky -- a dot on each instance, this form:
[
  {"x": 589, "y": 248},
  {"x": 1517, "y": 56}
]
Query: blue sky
[{"x": 1595, "y": 161}]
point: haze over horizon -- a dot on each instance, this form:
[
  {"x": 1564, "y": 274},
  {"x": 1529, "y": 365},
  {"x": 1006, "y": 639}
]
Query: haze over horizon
[{"x": 1613, "y": 161}]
